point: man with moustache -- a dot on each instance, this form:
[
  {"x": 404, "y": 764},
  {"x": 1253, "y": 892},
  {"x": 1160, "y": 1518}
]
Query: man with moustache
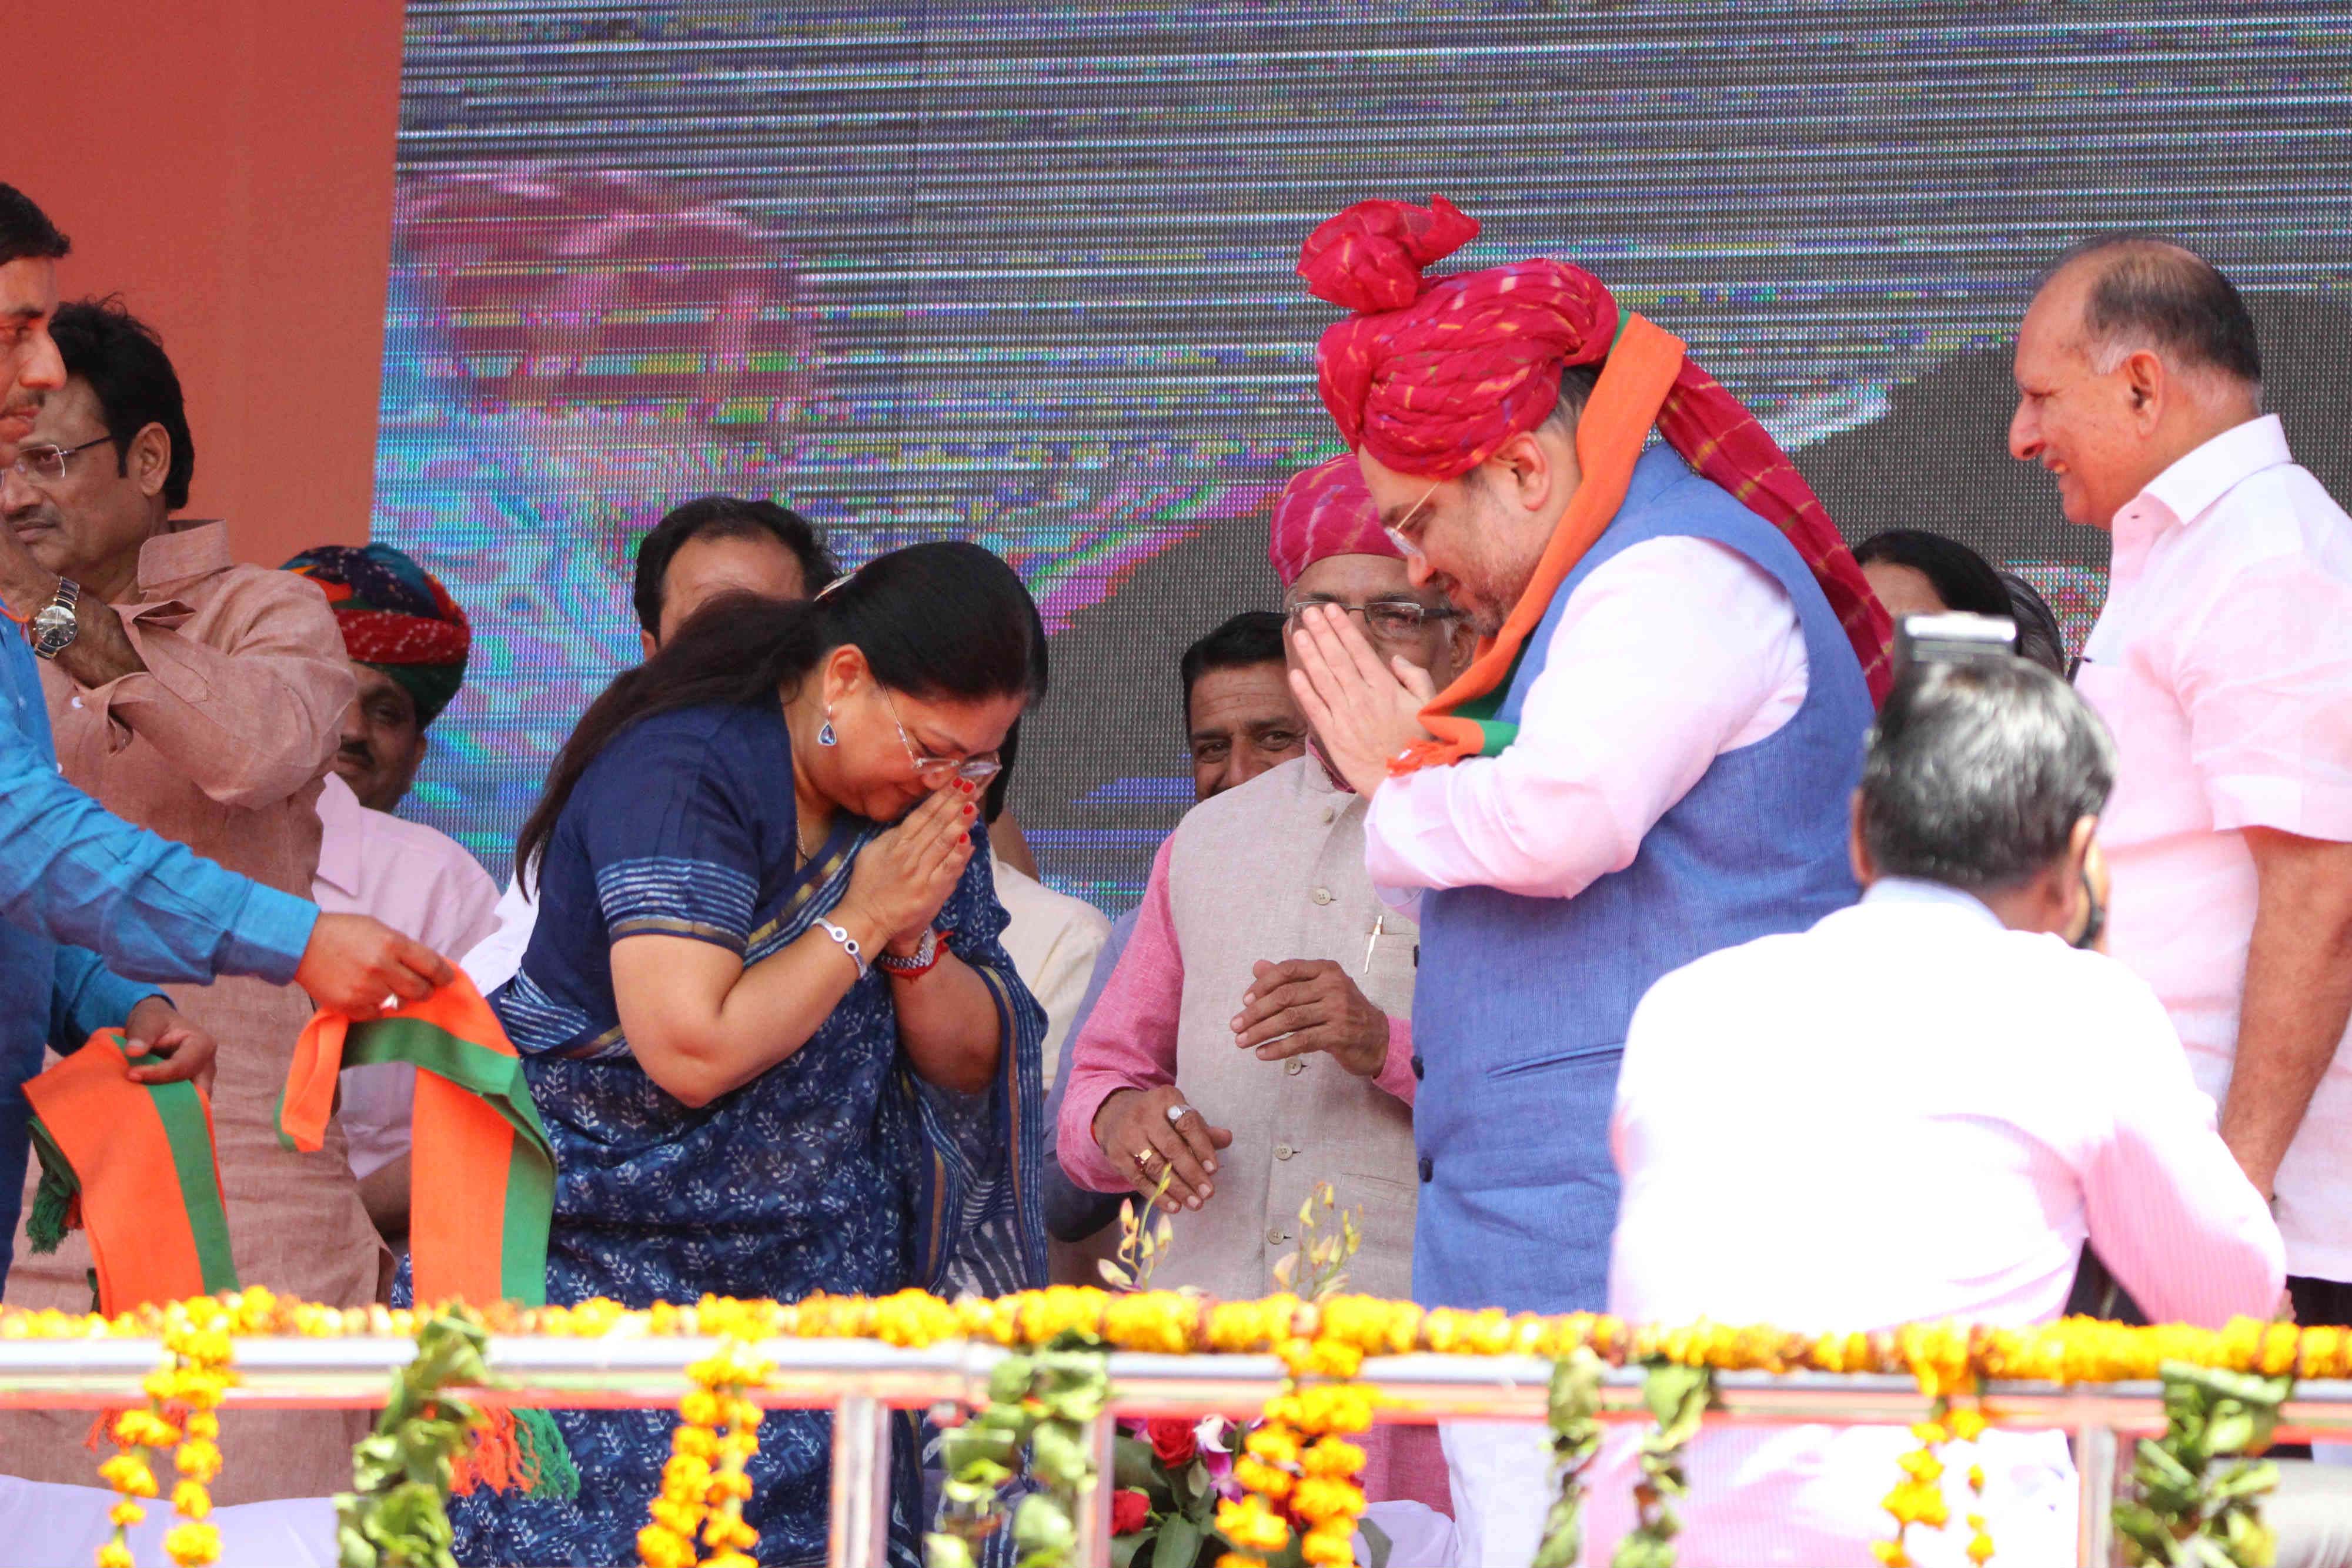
[
  {"x": 2222, "y": 663},
  {"x": 1254, "y": 1042},
  {"x": 1650, "y": 757}
]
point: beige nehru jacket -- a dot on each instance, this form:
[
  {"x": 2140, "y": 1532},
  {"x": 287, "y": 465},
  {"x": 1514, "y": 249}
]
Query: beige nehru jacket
[{"x": 1275, "y": 870}]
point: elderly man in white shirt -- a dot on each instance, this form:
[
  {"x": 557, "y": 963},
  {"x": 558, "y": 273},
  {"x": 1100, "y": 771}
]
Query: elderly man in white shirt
[
  {"x": 1930, "y": 1100},
  {"x": 2222, "y": 662}
]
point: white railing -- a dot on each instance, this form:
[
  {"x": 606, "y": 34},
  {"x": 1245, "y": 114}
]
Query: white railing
[{"x": 862, "y": 1382}]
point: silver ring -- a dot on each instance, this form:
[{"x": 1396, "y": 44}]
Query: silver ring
[{"x": 1177, "y": 1113}]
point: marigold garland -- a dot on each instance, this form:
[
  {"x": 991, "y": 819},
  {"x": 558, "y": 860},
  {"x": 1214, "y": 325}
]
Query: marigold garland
[
  {"x": 195, "y": 1373},
  {"x": 1944, "y": 1357},
  {"x": 705, "y": 1484}
]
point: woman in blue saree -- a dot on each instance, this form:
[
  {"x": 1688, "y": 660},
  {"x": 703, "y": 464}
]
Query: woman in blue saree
[{"x": 765, "y": 1016}]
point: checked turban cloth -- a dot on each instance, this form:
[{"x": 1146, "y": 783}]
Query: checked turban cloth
[
  {"x": 395, "y": 617},
  {"x": 1431, "y": 376}
]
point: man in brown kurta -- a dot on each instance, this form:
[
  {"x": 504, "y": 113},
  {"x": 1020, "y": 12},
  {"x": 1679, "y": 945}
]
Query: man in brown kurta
[{"x": 205, "y": 707}]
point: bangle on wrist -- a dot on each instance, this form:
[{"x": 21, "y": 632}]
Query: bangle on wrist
[
  {"x": 926, "y": 958},
  {"x": 848, "y": 945}
]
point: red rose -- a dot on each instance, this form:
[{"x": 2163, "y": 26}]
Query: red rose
[
  {"x": 1172, "y": 1440},
  {"x": 1129, "y": 1512}
]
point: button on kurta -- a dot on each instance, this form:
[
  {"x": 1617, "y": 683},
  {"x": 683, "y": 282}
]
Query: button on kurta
[
  {"x": 1293, "y": 1067},
  {"x": 1321, "y": 895},
  {"x": 1275, "y": 1237},
  {"x": 1282, "y": 1151}
]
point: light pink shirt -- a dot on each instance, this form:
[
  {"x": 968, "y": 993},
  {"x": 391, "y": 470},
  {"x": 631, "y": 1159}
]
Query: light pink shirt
[
  {"x": 1906, "y": 1115},
  {"x": 1665, "y": 657},
  {"x": 2223, "y": 664},
  {"x": 422, "y": 883}
]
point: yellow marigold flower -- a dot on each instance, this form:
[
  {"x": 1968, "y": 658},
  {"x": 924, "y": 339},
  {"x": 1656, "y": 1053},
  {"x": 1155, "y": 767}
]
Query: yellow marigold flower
[
  {"x": 124, "y": 1514},
  {"x": 190, "y": 1500},
  {"x": 732, "y": 1560},
  {"x": 128, "y": 1474},
  {"x": 1980, "y": 1548},
  {"x": 1922, "y": 1466},
  {"x": 695, "y": 1442},
  {"x": 1318, "y": 1497},
  {"x": 660, "y": 1547},
  {"x": 731, "y": 1484},
  {"x": 1967, "y": 1424},
  {"x": 1928, "y": 1432},
  {"x": 699, "y": 1408},
  {"x": 1262, "y": 1478},
  {"x": 1272, "y": 1444},
  {"x": 193, "y": 1544},
  {"x": 1250, "y": 1526},
  {"x": 1332, "y": 1457},
  {"x": 727, "y": 1532},
  {"x": 1322, "y": 1549},
  {"x": 1976, "y": 1477},
  {"x": 1890, "y": 1553},
  {"x": 114, "y": 1554},
  {"x": 198, "y": 1462}
]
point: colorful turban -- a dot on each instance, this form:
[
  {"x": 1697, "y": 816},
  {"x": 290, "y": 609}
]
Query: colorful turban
[
  {"x": 1325, "y": 511},
  {"x": 396, "y": 618},
  {"x": 1432, "y": 377}
]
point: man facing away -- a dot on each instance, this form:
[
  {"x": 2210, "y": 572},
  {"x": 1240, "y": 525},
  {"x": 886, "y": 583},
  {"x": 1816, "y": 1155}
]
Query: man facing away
[
  {"x": 1648, "y": 759},
  {"x": 700, "y": 550},
  {"x": 407, "y": 640},
  {"x": 1804, "y": 1143},
  {"x": 2222, "y": 663},
  {"x": 1240, "y": 719},
  {"x": 201, "y": 699}
]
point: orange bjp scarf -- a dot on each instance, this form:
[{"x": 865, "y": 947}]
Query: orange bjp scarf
[{"x": 482, "y": 1171}]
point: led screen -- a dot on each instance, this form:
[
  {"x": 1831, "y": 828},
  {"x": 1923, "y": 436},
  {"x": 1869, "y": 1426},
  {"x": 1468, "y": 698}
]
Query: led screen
[{"x": 1022, "y": 274}]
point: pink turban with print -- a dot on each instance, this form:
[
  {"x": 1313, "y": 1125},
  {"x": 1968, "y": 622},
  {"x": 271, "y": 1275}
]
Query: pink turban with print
[{"x": 1324, "y": 511}]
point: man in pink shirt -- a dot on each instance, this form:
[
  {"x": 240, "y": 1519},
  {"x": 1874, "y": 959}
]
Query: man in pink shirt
[{"x": 2223, "y": 663}]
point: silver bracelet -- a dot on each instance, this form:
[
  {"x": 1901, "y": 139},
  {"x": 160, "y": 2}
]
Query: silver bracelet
[{"x": 848, "y": 944}]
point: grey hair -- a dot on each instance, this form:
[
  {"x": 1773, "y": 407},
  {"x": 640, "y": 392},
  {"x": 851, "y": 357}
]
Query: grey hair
[
  {"x": 1978, "y": 772},
  {"x": 2149, "y": 293}
]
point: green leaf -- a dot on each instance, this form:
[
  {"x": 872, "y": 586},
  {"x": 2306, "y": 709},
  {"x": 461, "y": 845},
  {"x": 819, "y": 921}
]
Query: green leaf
[
  {"x": 1180, "y": 1543},
  {"x": 1123, "y": 1547},
  {"x": 1377, "y": 1545}
]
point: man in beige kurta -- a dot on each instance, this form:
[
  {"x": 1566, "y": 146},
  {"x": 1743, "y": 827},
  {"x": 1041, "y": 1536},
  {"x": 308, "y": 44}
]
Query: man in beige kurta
[
  {"x": 1256, "y": 1032},
  {"x": 205, "y": 707}
]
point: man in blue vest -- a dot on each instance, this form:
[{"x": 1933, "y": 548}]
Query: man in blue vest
[{"x": 1650, "y": 759}]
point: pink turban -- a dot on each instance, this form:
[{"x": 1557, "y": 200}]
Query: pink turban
[
  {"x": 1325, "y": 511},
  {"x": 1432, "y": 377}
]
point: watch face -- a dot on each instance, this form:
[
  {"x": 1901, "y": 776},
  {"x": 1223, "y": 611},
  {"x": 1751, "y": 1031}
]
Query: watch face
[{"x": 53, "y": 623}]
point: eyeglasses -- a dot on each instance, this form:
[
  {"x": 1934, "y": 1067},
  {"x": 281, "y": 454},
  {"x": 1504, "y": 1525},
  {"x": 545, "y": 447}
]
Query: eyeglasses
[
  {"x": 936, "y": 771},
  {"x": 1407, "y": 547},
  {"x": 46, "y": 465},
  {"x": 1388, "y": 619}
]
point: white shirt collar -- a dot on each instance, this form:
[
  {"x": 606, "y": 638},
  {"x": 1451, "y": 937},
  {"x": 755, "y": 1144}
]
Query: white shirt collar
[
  {"x": 1914, "y": 890},
  {"x": 2187, "y": 490}
]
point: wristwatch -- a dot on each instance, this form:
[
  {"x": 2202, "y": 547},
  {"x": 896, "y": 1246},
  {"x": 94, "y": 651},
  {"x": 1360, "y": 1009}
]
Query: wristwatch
[
  {"x": 53, "y": 626},
  {"x": 925, "y": 957}
]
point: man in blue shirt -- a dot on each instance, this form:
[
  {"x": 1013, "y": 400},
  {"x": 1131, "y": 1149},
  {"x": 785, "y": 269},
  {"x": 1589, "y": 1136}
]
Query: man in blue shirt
[{"x": 87, "y": 898}]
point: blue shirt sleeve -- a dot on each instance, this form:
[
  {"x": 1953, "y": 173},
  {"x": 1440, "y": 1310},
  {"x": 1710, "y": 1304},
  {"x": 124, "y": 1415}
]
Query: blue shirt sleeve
[
  {"x": 88, "y": 996},
  {"x": 73, "y": 871}
]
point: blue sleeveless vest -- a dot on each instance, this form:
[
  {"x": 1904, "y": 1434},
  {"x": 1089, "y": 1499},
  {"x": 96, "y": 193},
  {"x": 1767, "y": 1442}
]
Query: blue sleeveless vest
[{"x": 1520, "y": 1006}]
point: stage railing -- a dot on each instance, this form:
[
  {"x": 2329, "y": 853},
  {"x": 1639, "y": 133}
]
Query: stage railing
[{"x": 862, "y": 1382}]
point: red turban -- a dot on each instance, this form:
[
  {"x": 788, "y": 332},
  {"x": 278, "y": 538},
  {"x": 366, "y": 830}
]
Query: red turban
[
  {"x": 1432, "y": 377},
  {"x": 1325, "y": 511}
]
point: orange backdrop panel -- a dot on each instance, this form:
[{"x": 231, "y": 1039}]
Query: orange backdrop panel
[{"x": 226, "y": 165}]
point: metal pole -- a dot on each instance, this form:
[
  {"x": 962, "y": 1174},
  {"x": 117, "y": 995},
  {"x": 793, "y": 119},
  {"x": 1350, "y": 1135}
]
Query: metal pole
[
  {"x": 1092, "y": 1549},
  {"x": 2094, "y": 1472},
  {"x": 860, "y": 1533}
]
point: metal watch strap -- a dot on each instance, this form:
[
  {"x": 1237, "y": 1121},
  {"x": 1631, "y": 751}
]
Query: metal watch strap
[
  {"x": 51, "y": 628},
  {"x": 925, "y": 957}
]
